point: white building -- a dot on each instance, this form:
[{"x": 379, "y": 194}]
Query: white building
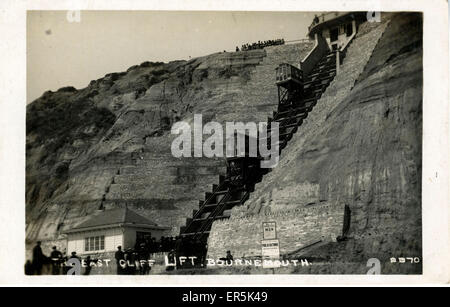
[
  {"x": 337, "y": 28},
  {"x": 331, "y": 31},
  {"x": 107, "y": 230}
]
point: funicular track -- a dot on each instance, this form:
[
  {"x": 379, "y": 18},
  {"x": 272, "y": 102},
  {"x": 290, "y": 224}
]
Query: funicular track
[{"x": 295, "y": 102}]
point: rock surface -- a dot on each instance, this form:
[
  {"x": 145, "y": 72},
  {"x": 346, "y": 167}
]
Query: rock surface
[
  {"x": 361, "y": 146},
  {"x": 108, "y": 145}
]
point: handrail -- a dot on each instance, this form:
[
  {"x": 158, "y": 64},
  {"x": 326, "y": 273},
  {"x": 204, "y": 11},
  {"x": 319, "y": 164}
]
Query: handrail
[
  {"x": 317, "y": 52},
  {"x": 340, "y": 53},
  {"x": 302, "y": 248},
  {"x": 342, "y": 48},
  {"x": 316, "y": 43},
  {"x": 300, "y": 40}
]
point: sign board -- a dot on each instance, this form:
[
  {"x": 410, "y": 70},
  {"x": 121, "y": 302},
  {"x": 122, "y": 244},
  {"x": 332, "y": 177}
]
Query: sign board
[
  {"x": 269, "y": 230},
  {"x": 270, "y": 253}
]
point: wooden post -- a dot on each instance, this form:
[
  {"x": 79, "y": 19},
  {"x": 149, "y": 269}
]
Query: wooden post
[{"x": 337, "y": 60}]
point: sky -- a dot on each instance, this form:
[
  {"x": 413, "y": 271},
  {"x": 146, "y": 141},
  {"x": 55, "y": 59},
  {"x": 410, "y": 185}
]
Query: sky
[{"x": 64, "y": 51}]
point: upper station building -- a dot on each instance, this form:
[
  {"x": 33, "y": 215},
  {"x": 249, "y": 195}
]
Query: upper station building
[
  {"x": 331, "y": 31},
  {"x": 337, "y": 28}
]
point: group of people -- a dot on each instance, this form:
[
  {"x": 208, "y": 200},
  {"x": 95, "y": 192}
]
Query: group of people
[
  {"x": 261, "y": 44},
  {"x": 175, "y": 247},
  {"x": 181, "y": 244},
  {"x": 58, "y": 261},
  {"x": 133, "y": 261},
  {"x": 126, "y": 260},
  {"x": 164, "y": 244},
  {"x": 145, "y": 249}
]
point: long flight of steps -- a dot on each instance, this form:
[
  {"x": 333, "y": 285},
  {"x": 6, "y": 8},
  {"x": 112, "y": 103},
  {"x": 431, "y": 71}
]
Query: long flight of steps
[
  {"x": 227, "y": 194},
  {"x": 216, "y": 205}
]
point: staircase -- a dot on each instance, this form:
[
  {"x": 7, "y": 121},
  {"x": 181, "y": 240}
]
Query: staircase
[
  {"x": 232, "y": 190},
  {"x": 243, "y": 173}
]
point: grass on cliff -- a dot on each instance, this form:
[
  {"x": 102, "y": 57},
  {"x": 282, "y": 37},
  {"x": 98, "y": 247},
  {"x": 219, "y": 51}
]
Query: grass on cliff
[{"x": 55, "y": 123}]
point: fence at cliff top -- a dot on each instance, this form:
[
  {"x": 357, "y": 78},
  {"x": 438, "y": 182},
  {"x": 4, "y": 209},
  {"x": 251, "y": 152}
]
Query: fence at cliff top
[
  {"x": 264, "y": 44},
  {"x": 296, "y": 41}
]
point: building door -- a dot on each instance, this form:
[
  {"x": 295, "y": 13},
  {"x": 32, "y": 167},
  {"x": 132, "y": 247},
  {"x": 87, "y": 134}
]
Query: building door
[
  {"x": 334, "y": 34},
  {"x": 349, "y": 29},
  {"x": 142, "y": 237}
]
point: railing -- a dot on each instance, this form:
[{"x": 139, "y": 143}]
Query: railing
[
  {"x": 343, "y": 47},
  {"x": 324, "y": 18},
  {"x": 295, "y": 41},
  {"x": 313, "y": 57},
  {"x": 289, "y": 254},
  {"x": 340, "y": 54}
]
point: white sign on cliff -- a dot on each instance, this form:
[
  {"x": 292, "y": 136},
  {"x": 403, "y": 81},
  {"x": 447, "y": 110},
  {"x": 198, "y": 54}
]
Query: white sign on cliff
[
  {"x": 271, "y": 253},
  {"x": 270, "y": 246},
  {"x": 269, "y": 230}
]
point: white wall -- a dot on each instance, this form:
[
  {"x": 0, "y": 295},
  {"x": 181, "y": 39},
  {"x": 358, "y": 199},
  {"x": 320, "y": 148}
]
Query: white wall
[
  {"x": 342, "y": 37},
  {"x": 113, "y": 238},
  {"x": 125, "y": 237}
]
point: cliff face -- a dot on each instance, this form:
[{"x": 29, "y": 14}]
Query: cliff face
[
  {"x": 360, "y": 147},
  {"x": 108, "y": 145}
]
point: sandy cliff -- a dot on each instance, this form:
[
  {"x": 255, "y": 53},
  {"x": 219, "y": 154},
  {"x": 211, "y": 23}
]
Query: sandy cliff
[
  {"x": 360, "y": 146},
  {"x": 108, "y": 145}
]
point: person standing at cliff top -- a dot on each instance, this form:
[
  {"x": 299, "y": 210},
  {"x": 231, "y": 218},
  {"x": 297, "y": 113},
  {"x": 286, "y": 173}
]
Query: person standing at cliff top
[{"x": 316, "y": 19}]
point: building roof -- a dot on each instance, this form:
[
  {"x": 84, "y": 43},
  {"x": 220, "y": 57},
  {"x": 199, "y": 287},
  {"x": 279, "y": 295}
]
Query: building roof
[
  {"x": 331, "y": 19},
  {"x": 115, "y": 217}
]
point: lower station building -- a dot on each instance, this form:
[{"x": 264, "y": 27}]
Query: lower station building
[{"x": 107, "y": 230}]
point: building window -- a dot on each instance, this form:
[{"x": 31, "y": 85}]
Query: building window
[
  {"x": 92, "y": 244},
  {"x": 142, "y": 237},
  {"x": 349, "y": 29},
  {"x": 334, "y": 34}
]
